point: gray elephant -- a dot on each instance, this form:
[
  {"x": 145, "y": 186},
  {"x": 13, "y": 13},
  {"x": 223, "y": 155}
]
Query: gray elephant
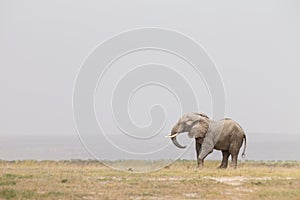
[{"x": 225, "y": 135}]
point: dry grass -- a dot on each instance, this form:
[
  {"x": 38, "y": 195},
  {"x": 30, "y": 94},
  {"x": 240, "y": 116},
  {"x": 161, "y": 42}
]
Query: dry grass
[{"x": 92, "y": 180}]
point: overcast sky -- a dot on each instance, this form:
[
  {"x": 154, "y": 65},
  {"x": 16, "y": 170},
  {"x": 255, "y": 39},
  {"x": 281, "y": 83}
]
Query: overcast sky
[{"x": 255, "y": 46}]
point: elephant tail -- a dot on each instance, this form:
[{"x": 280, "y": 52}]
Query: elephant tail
[{"x": 243, "y": 154}]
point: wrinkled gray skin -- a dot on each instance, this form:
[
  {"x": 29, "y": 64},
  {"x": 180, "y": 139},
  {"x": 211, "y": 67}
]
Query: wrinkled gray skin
[{"x": 225, "y": 135}]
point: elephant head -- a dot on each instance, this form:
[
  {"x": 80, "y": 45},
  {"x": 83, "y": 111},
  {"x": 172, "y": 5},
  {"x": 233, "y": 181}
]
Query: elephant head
[{"x": 196, "y": 124}]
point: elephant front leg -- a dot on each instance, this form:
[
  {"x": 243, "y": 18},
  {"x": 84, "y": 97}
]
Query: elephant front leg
[
  {"x": 198, "y": 148},
  {"x": 200, "y": 163}
]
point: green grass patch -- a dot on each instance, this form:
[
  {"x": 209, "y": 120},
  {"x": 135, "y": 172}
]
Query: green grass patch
[
  {"x": 277, "y": 193},
  {"x": 29, "y": 194},
  {"x": 53, "y": 194},
  {"x": 8, "y": 193}
]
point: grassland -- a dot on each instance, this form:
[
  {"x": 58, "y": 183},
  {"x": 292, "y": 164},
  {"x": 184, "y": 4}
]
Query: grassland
[{"x": 180, "y": 180}]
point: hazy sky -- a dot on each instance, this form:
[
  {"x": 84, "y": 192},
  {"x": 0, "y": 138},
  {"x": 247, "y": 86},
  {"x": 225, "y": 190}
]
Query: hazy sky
[{"x": 255, "y": 46}]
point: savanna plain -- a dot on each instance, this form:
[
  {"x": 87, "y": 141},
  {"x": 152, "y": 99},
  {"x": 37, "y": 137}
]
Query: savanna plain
[{"x": 180, "y": 180}]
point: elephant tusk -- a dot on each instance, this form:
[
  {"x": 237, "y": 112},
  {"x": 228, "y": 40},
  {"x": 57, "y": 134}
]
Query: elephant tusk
[{"x": 171, "y": 136}]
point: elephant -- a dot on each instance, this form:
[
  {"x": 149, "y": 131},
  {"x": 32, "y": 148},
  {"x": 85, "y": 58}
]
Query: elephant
[{"x": 225, "y": 135}]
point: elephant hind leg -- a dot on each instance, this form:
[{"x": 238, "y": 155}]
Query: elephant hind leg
[
  {"x": 234, "y": 151},
  {"x": 234, "y": 161},
  {"x": 224, "y": 160}
]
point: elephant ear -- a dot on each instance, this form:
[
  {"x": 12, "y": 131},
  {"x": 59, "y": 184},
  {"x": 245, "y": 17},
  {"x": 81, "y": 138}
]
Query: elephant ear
[{"x": 200, "y": 128}]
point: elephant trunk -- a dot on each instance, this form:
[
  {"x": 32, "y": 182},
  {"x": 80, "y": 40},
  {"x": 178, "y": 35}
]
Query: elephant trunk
[{"x": 174, "y": 140}]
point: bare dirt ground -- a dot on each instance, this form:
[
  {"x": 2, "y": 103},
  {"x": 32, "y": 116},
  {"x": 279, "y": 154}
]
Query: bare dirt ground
[{"x": 92, "y": 180}]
